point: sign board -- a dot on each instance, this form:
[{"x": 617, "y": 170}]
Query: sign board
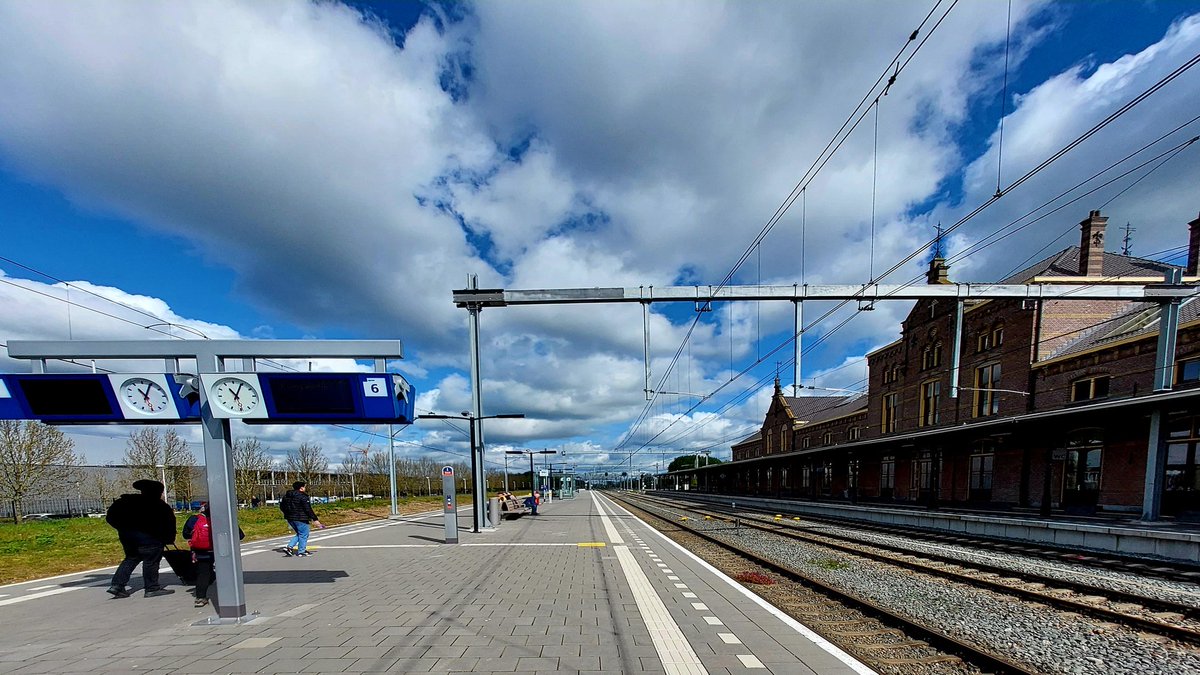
[
  {"x": 450, "y": 505},
  {"x": 544, "y": 473},
  {"x": 166, "y": 398},
  {"x": 94, "y": 398},
  {"x": 1058, "y": 454},
  {"x": 448, "y": 471}
]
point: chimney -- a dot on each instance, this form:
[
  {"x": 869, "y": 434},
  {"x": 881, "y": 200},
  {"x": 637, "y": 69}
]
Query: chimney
[
  {"x": 939, "y": 272},
  {"x": 1091, "y": 245},
  {"x": 1193, "y": 260}
]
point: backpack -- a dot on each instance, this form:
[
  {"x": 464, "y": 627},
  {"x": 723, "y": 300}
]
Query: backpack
[{"x": 201, "y": 535}]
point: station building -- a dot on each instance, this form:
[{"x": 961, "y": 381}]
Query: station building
[{"x": 1051, "y": 412}]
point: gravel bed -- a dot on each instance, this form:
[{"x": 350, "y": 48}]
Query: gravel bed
[
  {"x": 1161, "y": 589},
  {"x": 1049, "y": 640}
]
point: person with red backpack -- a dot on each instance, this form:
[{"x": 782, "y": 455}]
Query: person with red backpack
[{"x": 198, "y": 531}]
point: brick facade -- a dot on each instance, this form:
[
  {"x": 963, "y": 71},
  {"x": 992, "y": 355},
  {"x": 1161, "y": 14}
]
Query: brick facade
[{"x": 1057, "y": 366}]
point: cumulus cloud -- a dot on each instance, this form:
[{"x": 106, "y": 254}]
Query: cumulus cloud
[{"x": 350, "y": 183}]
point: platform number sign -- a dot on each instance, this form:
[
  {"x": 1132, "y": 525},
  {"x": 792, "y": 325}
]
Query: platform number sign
[
  {"x": 447, "y": 472},
  {"x": 375, "y": 386}
]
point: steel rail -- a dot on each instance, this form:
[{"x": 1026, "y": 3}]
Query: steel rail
[{"x": 1181, "y": 633}]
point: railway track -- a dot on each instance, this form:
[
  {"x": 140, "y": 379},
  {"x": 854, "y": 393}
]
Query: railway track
[
  {"x": 1175, "y": 620},
  {"x": 886, "y": 640},
  {"x": 1166, "y": 570}
]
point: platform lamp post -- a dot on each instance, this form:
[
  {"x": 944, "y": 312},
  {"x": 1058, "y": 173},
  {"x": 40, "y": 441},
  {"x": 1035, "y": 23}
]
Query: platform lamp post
[{"x": 479, "y": 488}]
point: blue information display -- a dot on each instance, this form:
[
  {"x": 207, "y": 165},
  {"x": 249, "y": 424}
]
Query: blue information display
[{"x": 158, "y": 398}]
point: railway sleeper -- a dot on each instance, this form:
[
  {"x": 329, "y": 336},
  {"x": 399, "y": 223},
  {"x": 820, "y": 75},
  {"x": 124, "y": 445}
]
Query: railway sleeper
[
  {"x": 921, "y": 660},
  {"x": 881, "y": 646}
]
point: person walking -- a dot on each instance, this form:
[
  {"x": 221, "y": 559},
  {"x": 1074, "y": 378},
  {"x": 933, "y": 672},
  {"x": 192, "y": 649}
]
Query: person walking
[
  {"x": 198, "y": 531},
  {"x": 297, "y": 510},
  {"x": 144, "y": 524}
]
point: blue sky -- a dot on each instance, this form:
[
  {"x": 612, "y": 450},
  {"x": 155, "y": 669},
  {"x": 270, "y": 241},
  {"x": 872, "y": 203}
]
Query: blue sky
[{"x": 297, "y": 170}]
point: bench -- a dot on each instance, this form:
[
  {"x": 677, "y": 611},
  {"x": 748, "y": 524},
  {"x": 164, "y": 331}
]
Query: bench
[{"x": 512, "y": 508}]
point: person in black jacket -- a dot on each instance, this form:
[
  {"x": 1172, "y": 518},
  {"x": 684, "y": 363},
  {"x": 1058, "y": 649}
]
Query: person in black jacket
[
  {"x": 297, "y": 510},
  {"x": 145, "y": 524}
]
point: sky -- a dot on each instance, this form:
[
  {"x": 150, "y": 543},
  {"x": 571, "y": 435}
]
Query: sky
[{"x": 301, "y": 170}]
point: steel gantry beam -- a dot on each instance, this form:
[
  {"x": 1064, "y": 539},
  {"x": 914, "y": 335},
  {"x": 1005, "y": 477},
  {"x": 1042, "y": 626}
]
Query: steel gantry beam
[{"x": 1149, "y": 291}]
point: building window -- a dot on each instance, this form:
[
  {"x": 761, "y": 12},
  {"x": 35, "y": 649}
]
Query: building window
[
  {"x": 826, "y": 478},
  {"x": 887, "y": 375},
  {"x": 887, "y": 473},
  {"x": 890, "y": 403},
  {"x": 805, "y": 442},
  {"x": 987, "y": 379},
  {"x": 852, "y": 474},
  {"x": 1182, "y": 482},
  {"x": 931, "y": 398},
  {"x": 1093, "y": 387},
  {"x": 1188, "y": 371},
  {"x": 827, "y": 439},
  {"x": 981, "y": 471},
  {"x": 854, "y": 433},
  {"x": 991, "y": 338},
  {"x": 1085, "y": 450},
  {"x": 922, "y": 473},
  {"x": 805, "y": 476},
  {"x": 931, "y": 357}
]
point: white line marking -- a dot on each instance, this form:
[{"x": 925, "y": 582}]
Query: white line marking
[
  {"x": 821, "y": 642},
  {"x": 609, "y": 530},
  {"x": 42, "y": 588},
  {"x": 680, "y": 585},
  {"x": 677, "y": 656},
  {"x": 699, "y": 606},
  {"x": 34, "y": 596},
  {"x": 713, "y": 621},
  {"x": 689, "y": 595},
  {"x": 329, "y": 548},
  {"x": 729, "y": 638},
  {"x": 750, "y": 661},
  {"x": 673, "y": 578}
]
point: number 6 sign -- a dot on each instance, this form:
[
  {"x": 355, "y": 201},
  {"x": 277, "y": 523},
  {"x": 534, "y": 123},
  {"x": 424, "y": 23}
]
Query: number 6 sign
[{"x": 375, "y": 386}]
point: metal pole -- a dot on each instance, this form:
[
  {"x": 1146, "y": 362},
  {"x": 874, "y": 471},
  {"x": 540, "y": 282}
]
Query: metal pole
[
  {"x": 506, "y": 472},
  {"x": 798, "y": 329},
  {"x": 477, "y": 512},
  {"x": 392, "y": 467},
  {"x": 477, "y": 408}
]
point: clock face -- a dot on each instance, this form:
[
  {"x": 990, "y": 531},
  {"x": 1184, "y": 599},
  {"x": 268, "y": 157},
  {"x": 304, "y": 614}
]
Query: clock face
[
  {"x": 234, "y": 396},
  {"x": 145, "y": 396}
]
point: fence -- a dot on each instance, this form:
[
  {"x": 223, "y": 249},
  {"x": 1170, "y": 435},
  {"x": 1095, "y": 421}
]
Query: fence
[{"x": 53, "y": 507}]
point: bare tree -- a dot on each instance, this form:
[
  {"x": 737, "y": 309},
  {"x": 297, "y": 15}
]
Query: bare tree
[
  {"x": 250, "y": 459},
  {"x": 102, "y": 485},
  {"x": 154, "y": 455},
  {"x": 33, "y": 456},
  {"x": 378, "y": 476},
  {"x": 308, "y": 462}
]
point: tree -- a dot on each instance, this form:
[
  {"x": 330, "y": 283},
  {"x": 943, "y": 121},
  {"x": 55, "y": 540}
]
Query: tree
[
  {"x": 147, "y": 450},
  {"x": 689, "y": 462},
  {"x": 378, "y": 475},
  {"x": 308, "y": 462},
  {"x": 33, "y": 457},
  {"x": 250, "y": 459},
  {"x": 101, "y": 485}
]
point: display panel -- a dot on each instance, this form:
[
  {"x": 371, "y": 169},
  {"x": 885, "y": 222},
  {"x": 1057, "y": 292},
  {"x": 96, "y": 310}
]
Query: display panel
[
  {"x": 311, "y": 394},
  {"x": 51, "y": 397}
]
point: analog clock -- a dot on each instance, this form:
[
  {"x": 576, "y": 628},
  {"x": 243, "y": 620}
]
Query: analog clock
[
  {"x": 145, "y": 396},
  {"x": 235, "y": 396}
]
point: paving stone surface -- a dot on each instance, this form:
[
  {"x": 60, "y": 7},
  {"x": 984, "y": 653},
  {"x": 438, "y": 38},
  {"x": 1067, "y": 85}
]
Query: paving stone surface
[{"x": 583, "y": 588}]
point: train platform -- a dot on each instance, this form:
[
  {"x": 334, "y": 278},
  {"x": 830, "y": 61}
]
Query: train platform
[
  {"x": 1115, "y": 533},
  {"x": 584, "y": 587}
]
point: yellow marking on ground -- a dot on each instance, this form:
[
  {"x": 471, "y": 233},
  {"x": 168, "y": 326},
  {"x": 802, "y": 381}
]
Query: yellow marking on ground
[{"x": 591, "y": 544}]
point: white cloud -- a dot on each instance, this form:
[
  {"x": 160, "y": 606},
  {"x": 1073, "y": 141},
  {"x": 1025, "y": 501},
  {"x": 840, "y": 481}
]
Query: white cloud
[{"x": 591, "y": 144}]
